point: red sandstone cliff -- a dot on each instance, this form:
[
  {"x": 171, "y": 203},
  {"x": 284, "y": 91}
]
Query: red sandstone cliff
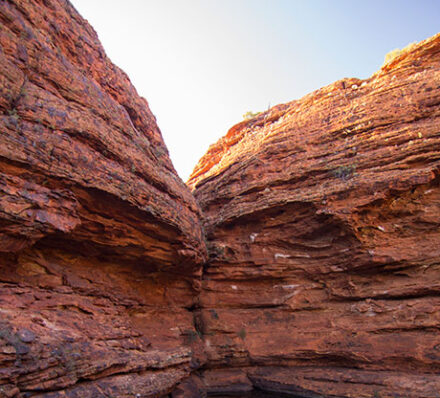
[
  {"x": 323, "y": 224},
  {"x": 100, "y": 242},
  {"x": 322, "y": 219}
]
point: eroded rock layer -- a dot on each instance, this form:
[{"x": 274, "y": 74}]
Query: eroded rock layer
[
  {"x": 323, "y": 224},
  {"x": 100, "y": 242}
]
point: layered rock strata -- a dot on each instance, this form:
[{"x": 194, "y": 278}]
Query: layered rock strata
[
  {"x": 322, "y": 218},
  {"x": 101, "y": 247}
]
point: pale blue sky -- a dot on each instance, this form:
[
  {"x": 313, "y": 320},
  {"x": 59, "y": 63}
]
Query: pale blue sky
[{"x": 201, "y": 64}]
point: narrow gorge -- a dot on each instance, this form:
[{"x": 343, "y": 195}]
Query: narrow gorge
[{"x": 301, "y": 259}]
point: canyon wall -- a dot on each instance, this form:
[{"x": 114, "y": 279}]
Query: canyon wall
[
  {"x": 322, "y": 219},
  {"x": 101, "y": 246}
]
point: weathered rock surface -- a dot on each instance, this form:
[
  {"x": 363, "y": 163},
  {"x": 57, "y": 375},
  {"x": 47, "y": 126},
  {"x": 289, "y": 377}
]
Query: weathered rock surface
[
  {"x": 323, "y": 226},
  {"x": 101, "y": 246},
  {"x": 322, "y": 218}
]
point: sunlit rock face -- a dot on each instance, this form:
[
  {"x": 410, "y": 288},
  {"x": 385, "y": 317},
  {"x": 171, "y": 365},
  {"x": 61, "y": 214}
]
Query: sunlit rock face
[
  {"x": 101, "y": 246},
  {"x": 322, "y": 218}
]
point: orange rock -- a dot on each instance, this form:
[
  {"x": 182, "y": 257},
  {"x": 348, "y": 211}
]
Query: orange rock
[
  {"x": 101, "y": 246},
  {"x": 323, "y": 224}
]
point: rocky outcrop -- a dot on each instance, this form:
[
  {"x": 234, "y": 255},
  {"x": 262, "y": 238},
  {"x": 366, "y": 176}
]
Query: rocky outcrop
[
  {"x": 322, "y": 218},
  {"x": 101, "y": 247}
]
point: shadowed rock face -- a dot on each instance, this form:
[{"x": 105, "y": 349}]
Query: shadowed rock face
[
  {"x": 101, "y": 246},
  {"x": 323, "y": 224}
]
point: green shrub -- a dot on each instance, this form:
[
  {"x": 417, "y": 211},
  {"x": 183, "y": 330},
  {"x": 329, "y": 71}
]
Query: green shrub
[
  {"x": 397, "y": 51},
  {"x": 344, "y": 172},
  {"x": 249, "y": 115}
]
